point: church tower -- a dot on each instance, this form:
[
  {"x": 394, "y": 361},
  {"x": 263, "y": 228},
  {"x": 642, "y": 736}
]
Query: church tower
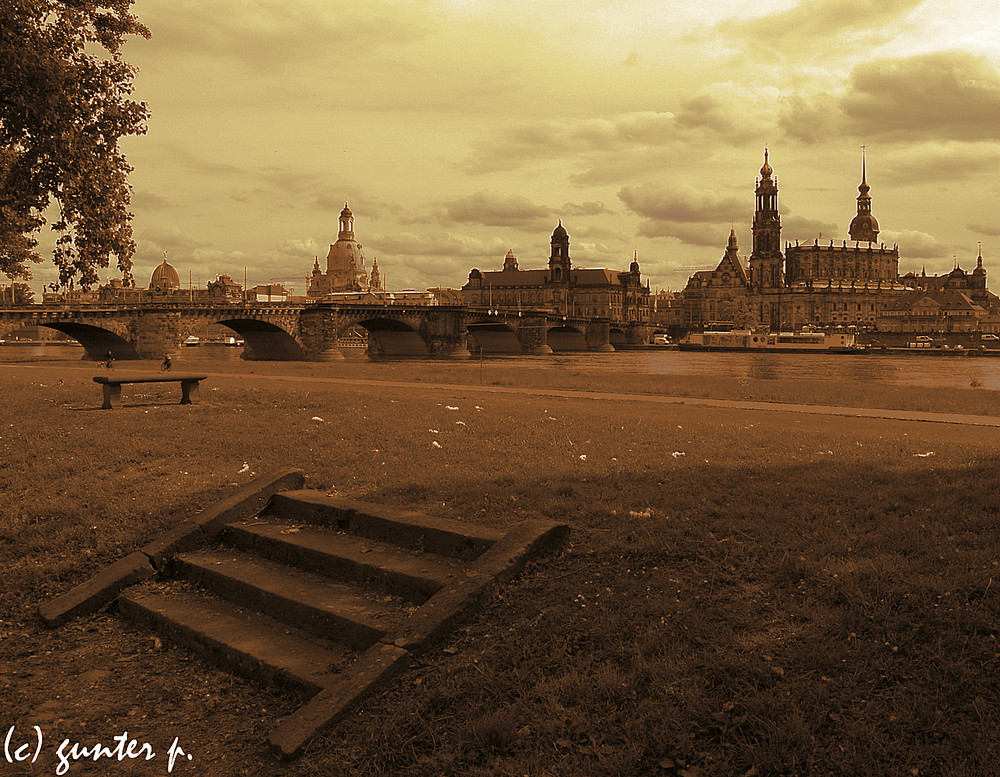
[
  {"x": 979, "y": 294},
  {"x": 864, "y": 227},
  {"x": 559, "y": 262},
  {"x": 765, "y": 260}
]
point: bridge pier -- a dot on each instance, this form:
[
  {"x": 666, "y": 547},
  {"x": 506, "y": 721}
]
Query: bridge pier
[
  {"x": 532, "y": 334},
  {"x": 445, "y": 336},
  {"x": 157, "y": 333},
  {"x": 638, "y": 334},
  {"x": 598, "y": 336}
]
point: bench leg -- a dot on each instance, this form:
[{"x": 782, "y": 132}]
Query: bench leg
[
  {"x": 189, "y": 391},
  {"x": 111, "y": 391}
]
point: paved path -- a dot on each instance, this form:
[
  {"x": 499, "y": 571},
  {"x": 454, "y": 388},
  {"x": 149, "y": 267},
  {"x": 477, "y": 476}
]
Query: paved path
[
  {"x": 780, "y": 407},
  {"x": 659, "y": 399}
]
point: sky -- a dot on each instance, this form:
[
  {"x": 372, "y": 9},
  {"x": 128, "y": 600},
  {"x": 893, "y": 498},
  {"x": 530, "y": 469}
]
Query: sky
[{"x": 459, "y": 129}]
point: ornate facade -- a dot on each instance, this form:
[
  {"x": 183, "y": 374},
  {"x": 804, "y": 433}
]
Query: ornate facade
[
  {"x": 620, "y": 297},
  {"x": 822, "y": 285},
  {"x": 345, "y": 264}
]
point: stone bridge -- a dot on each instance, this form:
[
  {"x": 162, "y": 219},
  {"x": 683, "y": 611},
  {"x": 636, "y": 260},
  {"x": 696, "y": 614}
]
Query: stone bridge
[{"x": 316, "y": 331}]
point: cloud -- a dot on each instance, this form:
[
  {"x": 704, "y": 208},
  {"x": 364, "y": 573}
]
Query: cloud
[
  {"x": 683, "y": 204},
  {"x": 595, "y": 140},
  {"x": 265, "y": 34},
  {"x": 705, "y": 112},
  {"x": 917, "y": 164},
  {"x": 496, "y": 210},
  {"x": 301, "y": 248},
  {"x": 156, "y": 240},
  {"x": 585, "y": 209},
  {"x": 947, "y": 95},
  {"x": 806, "y": 229},
  {"x": 814, "y": 25},
  {"x": 683, "y": 213},
  {"x": 436, "y": 244},
  {"x": 915, "y": 245},
  {"x": 147, "y": 200},
  {"x": 811, "y": 119},
  {"x": 990, "y": 230}
]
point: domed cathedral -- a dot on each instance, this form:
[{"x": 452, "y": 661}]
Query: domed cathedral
[
  {"x": 821, "y": 284},
  {"x": 597, "y": 293},
  {"x": 164, "y": 281},
  {"x": 345, "y": 264},
  {"x": 808, "y": 283},
  {"x": 865, "y": 262}
]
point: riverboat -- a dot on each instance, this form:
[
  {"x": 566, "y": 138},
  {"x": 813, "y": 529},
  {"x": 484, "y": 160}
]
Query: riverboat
[{"x": 747, "y": 340}]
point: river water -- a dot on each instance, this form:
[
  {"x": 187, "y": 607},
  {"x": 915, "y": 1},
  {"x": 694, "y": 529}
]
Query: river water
[{"x": 874, "y": 368}]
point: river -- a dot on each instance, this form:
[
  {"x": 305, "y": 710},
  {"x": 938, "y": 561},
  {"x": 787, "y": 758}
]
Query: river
[{"x": 895, "y": 369}]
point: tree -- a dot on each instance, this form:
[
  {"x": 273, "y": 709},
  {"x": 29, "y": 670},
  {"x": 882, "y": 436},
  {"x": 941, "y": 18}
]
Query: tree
[
  {"x": 17, "y": 294},
  {"x": 740, "y": 312},
  {"x": 64, "y": 104}
]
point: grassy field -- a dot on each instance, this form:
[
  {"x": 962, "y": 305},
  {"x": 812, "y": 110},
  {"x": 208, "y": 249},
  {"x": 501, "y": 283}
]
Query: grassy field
[{"x": 743, "y": 593}]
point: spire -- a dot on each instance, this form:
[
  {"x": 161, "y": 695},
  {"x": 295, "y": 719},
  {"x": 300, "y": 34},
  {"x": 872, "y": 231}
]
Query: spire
[
  {"x": 765, "y": 170},
  {"x": 346, "y": 224},
  {"x": 734, "y": 244},
  {"x": 864, "y": 227}
]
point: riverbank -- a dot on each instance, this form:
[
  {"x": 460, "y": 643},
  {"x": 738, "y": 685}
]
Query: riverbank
[{"x": 742, "y": 589}]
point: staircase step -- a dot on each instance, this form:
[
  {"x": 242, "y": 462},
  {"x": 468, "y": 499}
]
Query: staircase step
[
  {"x": 442, "y": 536},
  {"x": 413, "y": 576},
  {"x": 322, "y": 606},
  {"x": 245, "y": 642}
]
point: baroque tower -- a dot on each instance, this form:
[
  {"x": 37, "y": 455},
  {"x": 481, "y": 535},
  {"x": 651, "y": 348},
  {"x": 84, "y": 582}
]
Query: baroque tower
[
  {"x": 864, "y": 227},
  {"x": 559, "y": 262},
  {"x": 766, "y": 259}
]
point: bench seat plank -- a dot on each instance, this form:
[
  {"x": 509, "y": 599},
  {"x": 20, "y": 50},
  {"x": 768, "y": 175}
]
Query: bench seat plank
[{"x": 112, "y": 385}]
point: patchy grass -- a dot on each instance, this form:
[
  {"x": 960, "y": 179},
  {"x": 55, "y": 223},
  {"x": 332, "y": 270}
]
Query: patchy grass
[
  {"x": 757, "y": 385},
  {"x": 743, "y": 592}
]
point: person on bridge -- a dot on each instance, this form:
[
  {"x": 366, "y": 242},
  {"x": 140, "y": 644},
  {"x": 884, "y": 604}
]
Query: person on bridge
[{"x": 165, "y": 367}]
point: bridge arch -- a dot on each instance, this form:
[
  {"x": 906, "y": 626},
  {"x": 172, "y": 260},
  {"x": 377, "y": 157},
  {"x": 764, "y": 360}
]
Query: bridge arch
[
  {"x": 97, "y": 342},
  {"x": 492, "y": 336},
  {"x": 566, "y": 337},
  {"x": 264, "y": 341},
  {"x": 617, "y": 336},
  {"x": 389, "y": 337}
]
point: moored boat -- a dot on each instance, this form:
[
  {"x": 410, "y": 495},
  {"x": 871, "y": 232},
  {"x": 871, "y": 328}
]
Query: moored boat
[{"x": 748, "y": 340}]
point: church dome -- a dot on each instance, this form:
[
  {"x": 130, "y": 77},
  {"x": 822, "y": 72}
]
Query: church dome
[
  {"x": 165, "y": 277},
  {"x": 344, "y": 254},
  {"x": 766, "y": 170},
  {"x": 560, "y": 231},
  {"x": 864, "y": 228},
  {"x": 346, "y": 211}
]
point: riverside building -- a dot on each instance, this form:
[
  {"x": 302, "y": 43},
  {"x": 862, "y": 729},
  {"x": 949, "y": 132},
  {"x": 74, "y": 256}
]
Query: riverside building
[
  {"x": 620, "y": 297},
  {"x": 819, "y": 282}
]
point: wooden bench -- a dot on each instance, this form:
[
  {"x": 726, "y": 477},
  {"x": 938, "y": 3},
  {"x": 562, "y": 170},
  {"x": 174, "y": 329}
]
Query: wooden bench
[{"x": 113, "y": 385}]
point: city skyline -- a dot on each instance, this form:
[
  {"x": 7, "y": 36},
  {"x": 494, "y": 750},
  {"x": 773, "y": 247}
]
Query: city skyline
[{"x": 459, "y": 130}]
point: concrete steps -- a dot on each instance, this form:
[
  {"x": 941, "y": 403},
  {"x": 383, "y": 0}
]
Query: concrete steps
[
  {"x": 326, "y": 596},
  {"x": 344, "y": 613},
  {"x": 242, "y": 640},
  {"x": 341, "y": 556}
]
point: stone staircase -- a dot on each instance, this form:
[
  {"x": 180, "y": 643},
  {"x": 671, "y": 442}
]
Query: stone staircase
[{"x": 327, "y": 597}]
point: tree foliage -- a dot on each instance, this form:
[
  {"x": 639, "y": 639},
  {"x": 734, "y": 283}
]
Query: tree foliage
[
  {"x": 18, "y": 294},
  {"x": 64, "y": 104}
]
